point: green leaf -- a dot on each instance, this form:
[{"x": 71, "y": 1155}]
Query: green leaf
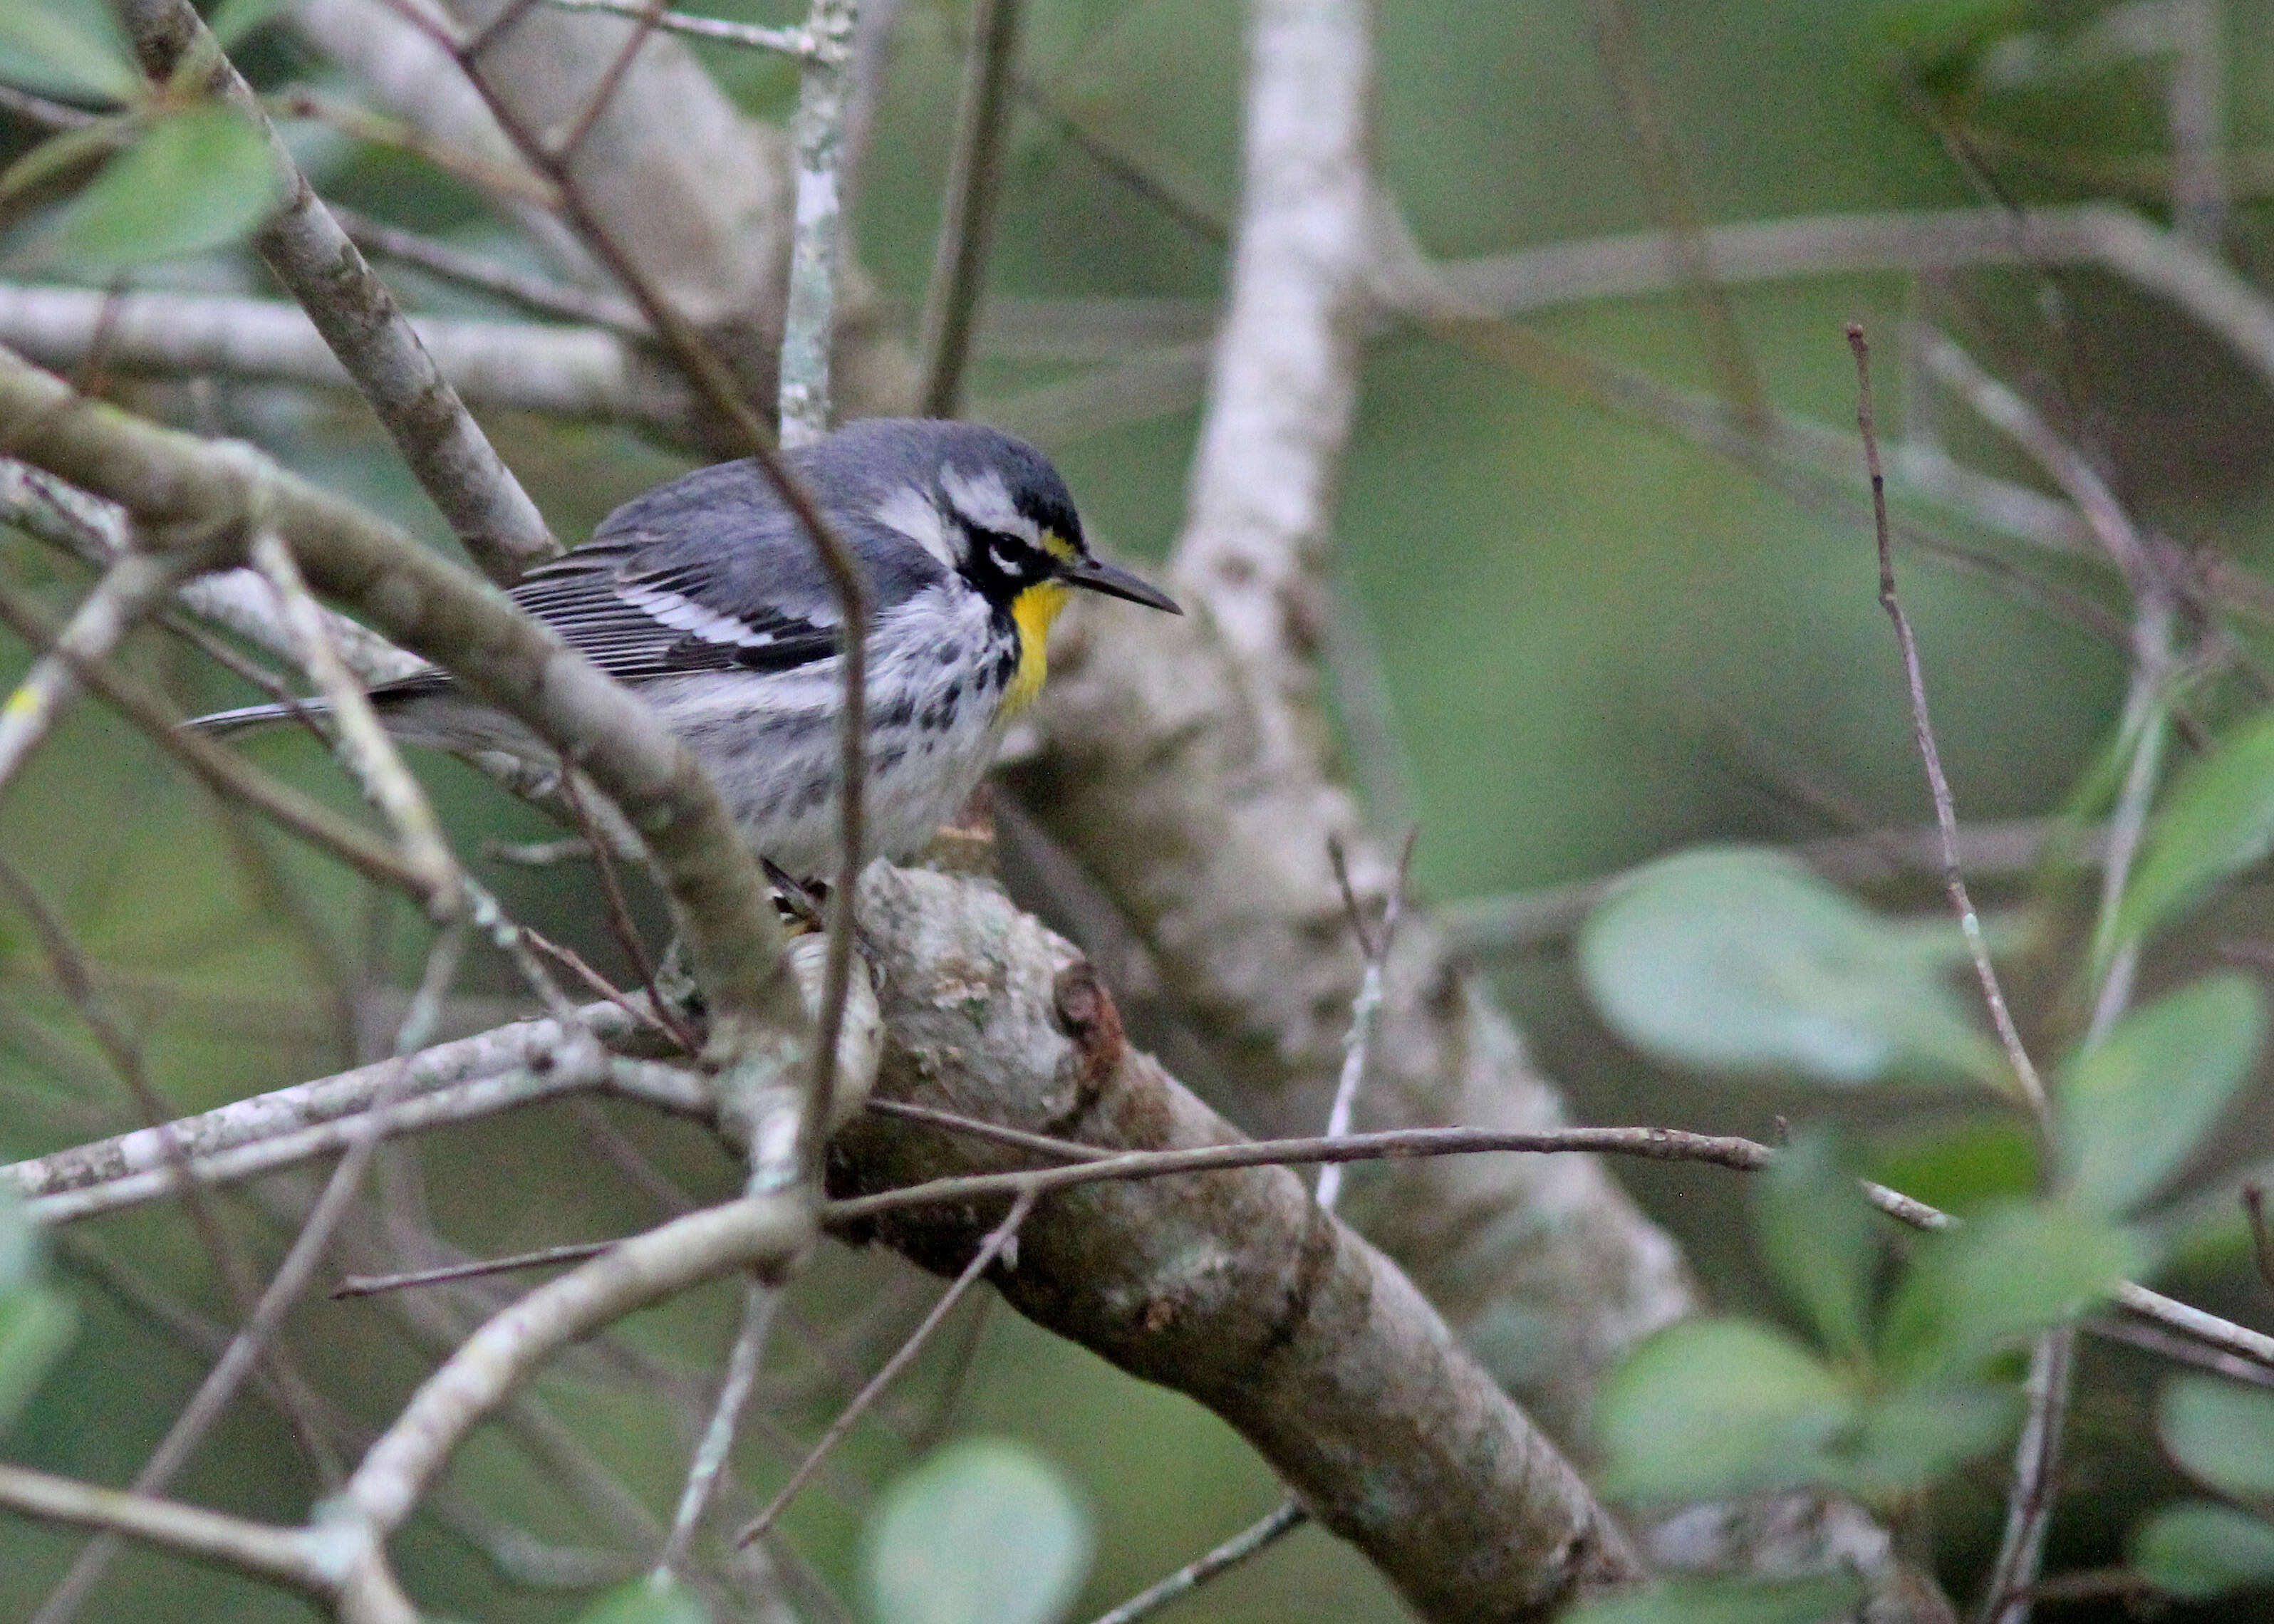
[
  {"x": 1824, "y": 1598},
  {"x": 1718, "y": 1406},
  {"x": 1912, "y": 1437},
  {"x": 232, "y": 19},
  {"x": 1738, "y": 960},
  {"x": 1819, "y": 1238},
  {"x": 2197, "y": 1549},
  {"x": 197, "y": 180},
  {"x": 2218, "y": 821},
  {"x": 2009, "y": 1270},
  {"x": 1962, "y": 1167},
  {"x": 983, "y": 1531},
  {"x": 2128, "y": 1110},
  {"x": 67, "y": 48},
  {"x": 647, "y": 1600},
  {"x": 2222, "y": 1434}
]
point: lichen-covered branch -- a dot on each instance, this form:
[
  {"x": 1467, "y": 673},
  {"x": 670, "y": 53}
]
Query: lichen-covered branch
[{"x": 1232, "y": 1286}]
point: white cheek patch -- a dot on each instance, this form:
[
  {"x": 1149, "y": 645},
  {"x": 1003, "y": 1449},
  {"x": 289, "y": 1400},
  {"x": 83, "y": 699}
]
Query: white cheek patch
[
  {"x": 684, "y": 614},
  {"x": 983, "y": 501},
  {"x": 908, "y": 512}
]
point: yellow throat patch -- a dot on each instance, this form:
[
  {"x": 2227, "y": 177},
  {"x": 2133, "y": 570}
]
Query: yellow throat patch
[{"x": 1032, "y": 611}]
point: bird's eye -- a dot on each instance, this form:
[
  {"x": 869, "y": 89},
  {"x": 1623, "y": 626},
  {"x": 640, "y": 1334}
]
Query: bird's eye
[{"x": 1008, "y": 563}]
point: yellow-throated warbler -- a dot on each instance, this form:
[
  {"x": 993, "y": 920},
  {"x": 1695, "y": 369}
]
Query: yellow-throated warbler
[{"x": 704, "y": 595}]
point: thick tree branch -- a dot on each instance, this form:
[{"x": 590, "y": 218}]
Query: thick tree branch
[{"x": 1234, "y": 1286}]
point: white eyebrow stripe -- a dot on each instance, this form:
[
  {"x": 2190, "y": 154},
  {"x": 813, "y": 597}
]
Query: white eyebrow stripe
[
  {"x": 684, "y": 614},
  {"x": 907, "y": 511},
  {"x": 984, "y": 501}
]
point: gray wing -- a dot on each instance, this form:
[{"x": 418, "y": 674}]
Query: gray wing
[{"x": 707, "y": 573}]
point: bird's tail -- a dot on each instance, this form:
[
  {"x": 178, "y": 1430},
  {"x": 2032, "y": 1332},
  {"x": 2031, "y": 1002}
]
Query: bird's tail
[{"x": 253, "y": 718}]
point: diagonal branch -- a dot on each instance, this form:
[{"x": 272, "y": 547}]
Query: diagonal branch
[{"x": 452, "y": 458}]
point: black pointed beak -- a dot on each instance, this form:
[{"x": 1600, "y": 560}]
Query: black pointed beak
[{"x": 1115, "y": 582}]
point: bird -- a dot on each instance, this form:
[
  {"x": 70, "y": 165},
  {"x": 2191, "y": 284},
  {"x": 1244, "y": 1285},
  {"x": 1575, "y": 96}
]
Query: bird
[{"x": 705, "y": 597}]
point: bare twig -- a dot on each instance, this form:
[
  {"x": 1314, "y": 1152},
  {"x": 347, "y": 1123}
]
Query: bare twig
[
  {"x": 2262, "y": 1244},
  {"x": 2025, "y": 1071},
  {"x": 967, "y": 217},
  {"x": 1366, "y": 1009},
  {"x": 578, "y": 373},
  {"x": 222, "y": 770},
  {"x": 128, "y": 590},
  {"x": 364, "y": 746},
  {"x": 1001, "y": 1236},
  {"x": 375, "y": 1285},
  {"x": 808, "y": 332},
  {"x": 1234, "y": 1551},
  {"x": 539, "y": 295},
  {"x": 2010, "y": 1591},
  {"x": 1642, "y": 110},
  {"x": 759, "y": 1303},
  {"x": 783, "y": 41}
]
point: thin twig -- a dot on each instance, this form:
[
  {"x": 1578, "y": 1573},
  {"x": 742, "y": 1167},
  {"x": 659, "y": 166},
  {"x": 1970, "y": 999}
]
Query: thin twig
[
  {"x": 363, "y": 744},
  {"x": 224, "y": 772},
  {"x": 539, "y": 295},
  {"x": 997, "y": 1239},
  {"x": 809, "y": 329},
  {"x": 126, "y": 594},
  {"x": 1266, "y": 1533},
  {"x": 1058, "y": 1150},
  {"x": 1366, "y": 1009},
  {"x": 73, "y": 1192},
  {"x": 2007, "y": 1596},
  {"x": 375, "y": 1285},
  {"x": 2262, "y": 1244},
  {"x": 967, "y": 217},
  {"x": 759, "y": 1302},
  {"x": 1946, "y": 816},
  {"x": 783, "y": 41},
  {"x": 620, "y": 923},
  {"x": 1641, "y": 109}
]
